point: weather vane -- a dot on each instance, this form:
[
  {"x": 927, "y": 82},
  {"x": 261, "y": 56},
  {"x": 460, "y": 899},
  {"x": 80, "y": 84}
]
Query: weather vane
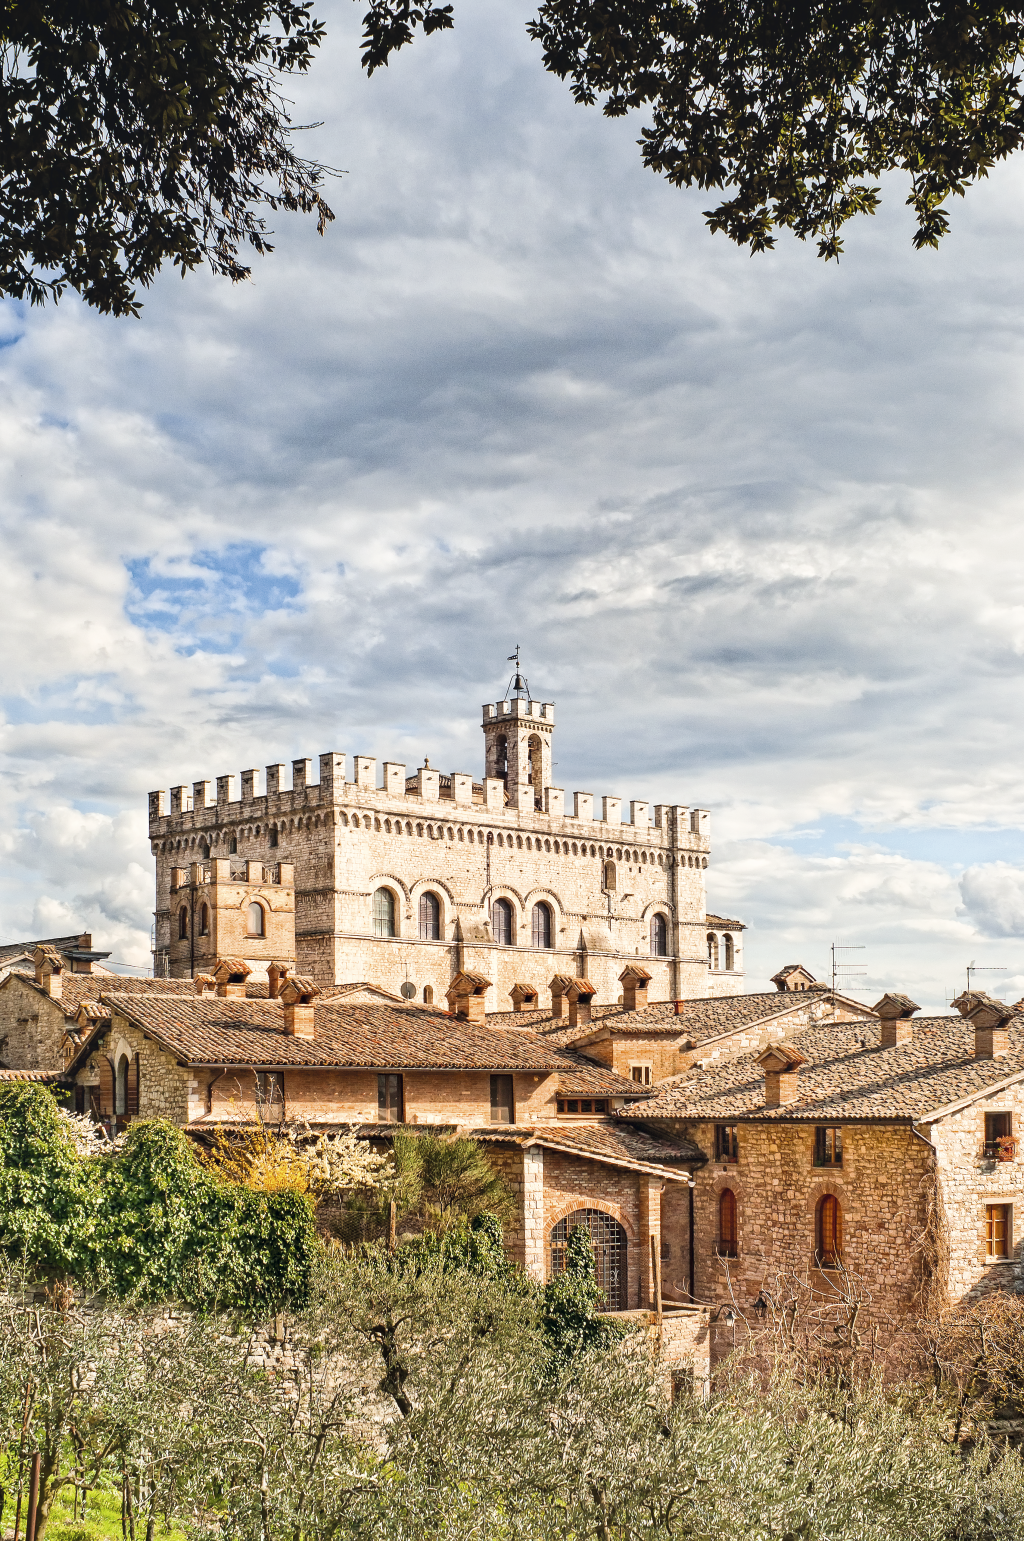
[{"x": 517, "y": 686}]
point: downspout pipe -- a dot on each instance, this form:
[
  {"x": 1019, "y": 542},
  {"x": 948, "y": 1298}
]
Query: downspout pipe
[{"x": 692, "y": 1185}]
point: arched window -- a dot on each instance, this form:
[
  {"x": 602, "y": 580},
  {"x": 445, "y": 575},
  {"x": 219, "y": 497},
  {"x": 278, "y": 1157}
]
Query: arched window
[
  {"x": 727, "y": 1223},
  {"x": 430, "y": 918},
  {"x": 609, "y": 874},
  {"x": 428, "y": 995},
  {"x": 121, "y": 1085},
  {"x": 501, "y": 756},
  {"x": 233, "y": 846},
  {"x": 183, "y": 924},
  {"x": 204, "y": 920},
  {"x": 609, "y": 1243},
  {"x": 501, "y": 922},
  {"x": 729, "y": 952},
  {"x": 712, "y": 950},
  {"x": 254, "y": 919},
  {"x": 273, "y": 835},
  {"x": 541, "y": 926},
  {"x": 829, "y": 1227},
  {"x": 383, "y": 912},
  {"x": 536, "y": 773},
  {"x": 659, "y": 936}
]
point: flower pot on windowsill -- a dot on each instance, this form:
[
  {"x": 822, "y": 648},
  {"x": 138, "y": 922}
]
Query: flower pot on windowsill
[{"x": 1006, "y": 1148}]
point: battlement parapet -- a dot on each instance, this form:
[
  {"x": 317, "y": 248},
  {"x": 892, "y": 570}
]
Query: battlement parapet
[
  {"x": 518, "y": 710},
  {"x": 264, "y": 874},
  {"x": 240, "y": 796}
]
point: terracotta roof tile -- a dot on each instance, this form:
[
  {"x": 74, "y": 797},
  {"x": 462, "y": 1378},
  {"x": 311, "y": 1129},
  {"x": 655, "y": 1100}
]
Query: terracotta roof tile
[
  {"x": 209, "y": 1030},
  {"x": 847, "y": 1076}
]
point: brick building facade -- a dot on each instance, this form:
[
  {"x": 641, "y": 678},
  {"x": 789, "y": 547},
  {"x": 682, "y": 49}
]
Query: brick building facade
[{"x": 405, "y": 880}]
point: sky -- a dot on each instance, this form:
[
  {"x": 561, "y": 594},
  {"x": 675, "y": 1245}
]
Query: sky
[{"x": 755, "y": 522}]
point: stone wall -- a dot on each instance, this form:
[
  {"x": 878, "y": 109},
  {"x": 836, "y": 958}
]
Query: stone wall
[
  {"x": 166, "y": 1089},
  {"x": 884, "y": 1188},
  {"x": 31, "y": 1026},
  {"x": 350, "y": 1096},
  {"x": 967, "y": 1182}
]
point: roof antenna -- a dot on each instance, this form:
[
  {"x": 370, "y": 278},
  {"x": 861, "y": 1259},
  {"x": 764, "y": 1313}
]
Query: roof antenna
[{"x": 517, "y": 687}]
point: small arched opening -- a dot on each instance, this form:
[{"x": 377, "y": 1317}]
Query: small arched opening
[
  {"x": 255, "y": 920},
  {"x": 712, "y": 950}
]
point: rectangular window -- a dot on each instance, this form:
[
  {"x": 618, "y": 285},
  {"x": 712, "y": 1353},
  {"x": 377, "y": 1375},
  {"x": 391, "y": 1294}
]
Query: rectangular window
[
  {"x": 641, "y": 1074},
  {"x": 270, "y": 1092},
  {"x": 828, "y": 1147},
  {"x": 389, "y": 1099},
  {"x": 502, "y": 1104},
  {"x": 997, "y": 1230},
  {"x": 998, "y": 1126},
  {"x": 727, "y": 1145}
]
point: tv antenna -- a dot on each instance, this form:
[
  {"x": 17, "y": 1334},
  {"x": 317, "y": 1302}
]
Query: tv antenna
[
  {"x": 839, "y": 967},
  {"x": 982, "y": 968}
]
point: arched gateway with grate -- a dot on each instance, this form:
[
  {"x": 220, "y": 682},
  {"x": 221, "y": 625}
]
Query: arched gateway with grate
[{"x": 609, "y": 1243}]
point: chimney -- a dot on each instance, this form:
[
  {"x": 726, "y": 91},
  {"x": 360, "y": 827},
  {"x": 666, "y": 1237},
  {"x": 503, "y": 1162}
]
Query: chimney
[
  {"x": 231, "y": 974},
  {"x": 895, "y": 1012},
  {"x": 465, "y": 996},
  {"x": 277, "y": 973},
  {"x": 204, "y": 984},
  {"x": 49, "y": 970},
  {"x": 580, "y": 994},
  {"x": 634, "y": 981},
  {"x": 298, "y": 997},
  {"x": 990, "y": 1019},
  {"x": 559, "y": 987},
  {"x": 781, "y": 1065},
  {"x": 524, "y": 997}
]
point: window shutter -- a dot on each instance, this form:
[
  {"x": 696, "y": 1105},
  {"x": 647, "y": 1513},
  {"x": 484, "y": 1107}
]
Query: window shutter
[
  {"x": 106, "y": 1086},
  {"x": 131, "y": 1102}
]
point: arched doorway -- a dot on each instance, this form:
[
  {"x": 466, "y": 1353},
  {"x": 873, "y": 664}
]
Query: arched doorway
[{"x": 609, "y": 1243}]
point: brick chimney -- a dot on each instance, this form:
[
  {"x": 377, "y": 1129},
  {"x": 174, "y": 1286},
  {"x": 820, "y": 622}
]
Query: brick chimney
[
  {"x": 231, "y": 974},
  {"x": 298, "y": 997},
  {"x": 559, "y": 988},
  {"x": 895, "y": 1012},
  {"x": 49, "y": 970},
  {"x": 524, "y": 997},
  {"x": 580, "y": 995},
  {"x": 204, "y": 984},
  {"x": 277, "y": 973},
  {"x": 990, "y": 1019},
  {"x": 466, "y": 996},
  {"x": 781, "y": 1065},
  {"x": 634, "y": 981}
]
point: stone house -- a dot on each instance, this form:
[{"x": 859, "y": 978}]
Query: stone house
[
  {"x": 78, "y": 952},
  {"x": 408, "y": 879},
  {"x": 216, "y": 1056},
  {"x": 649, "y": 1042},
  {"x": 882, "y": 1152}
]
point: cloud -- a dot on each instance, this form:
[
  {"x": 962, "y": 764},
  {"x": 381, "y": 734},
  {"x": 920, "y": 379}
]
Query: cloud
[
  {"x": 760, "y": 541},
  {"x": 993, "y": 898}
]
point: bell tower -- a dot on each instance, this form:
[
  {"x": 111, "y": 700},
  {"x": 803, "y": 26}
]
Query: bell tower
[{"x": 517, "y": 738}]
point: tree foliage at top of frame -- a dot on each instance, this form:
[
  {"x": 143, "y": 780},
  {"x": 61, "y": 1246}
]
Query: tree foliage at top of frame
[
  {"x": 791, "y": 110},
  {"x": 139, "y": 132}
]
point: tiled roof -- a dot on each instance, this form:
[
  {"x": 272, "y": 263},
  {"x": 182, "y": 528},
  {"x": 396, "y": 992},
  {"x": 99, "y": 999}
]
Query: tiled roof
[
  {"x": 723, "y": 924},
  {"x": 696, "y": 1019},
  {"x": 19, "y": 949},
  {"x": 77, "y": 988},
  {"x": 209, "y": 1030},
  {"x": 47, "y": 1077},
  {"x": 612, "y": 1142},
  {"x": 847, "y": 1076}
]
